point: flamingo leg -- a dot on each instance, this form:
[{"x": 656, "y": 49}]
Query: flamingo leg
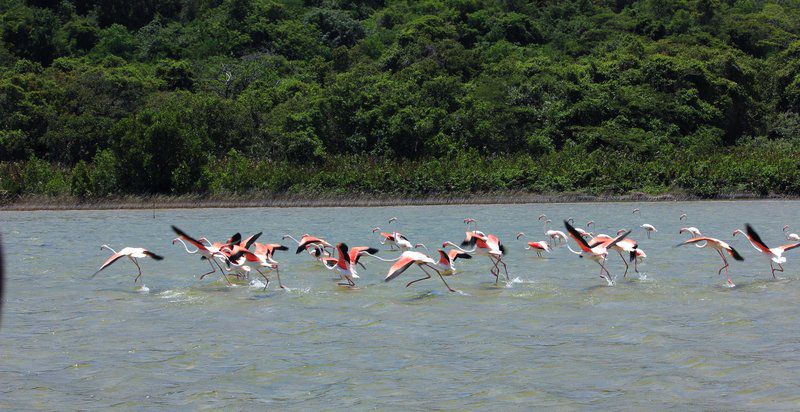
[
  {"x": 607, "y": 276},
  {"x": 427, "y": 276},
  {"x": 442, "y": 277},
  {"x": 266, "y": 279},
  {"x": 624, "y": 275},
  {"x": 137, "y": 267},
  {"x": 228, "y": 281},
  {"x": 213, "y": 269},
  {"x": 495, "y": 270},
  {"x": 278, "y": 273},
  {"x": 725, "y": 267},
  {"x": 775, "y": 269},
  {"x": 505, "y": 268}
]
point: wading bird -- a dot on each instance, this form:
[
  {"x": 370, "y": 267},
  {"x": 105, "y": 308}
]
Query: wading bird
[
  {"x": 489, "y": 244},
  {"x": 581, "y": 231},
  {"x": 206, "y": 252},
  {"x": 342, "y": 265},
  {"x": 649, "y": 229},
  {"x": 555, "y": 235},
  {"x": 693, "y": 231},
  {"x": 536, "y": 246},
  {"x": 408, "y": 258},
  {"x": 597, "y": 251},
  {"x": 627, "y": 245},
  {"x": 790, "y": 236},
  {"x": 307, "y": 241},
  {"x": 264, "y": 252},
  {"x": 446, "y": 263},
  {"x": 132, "y": 253},
  {"x": 774, "y": 254},
  {"x": 719, "y": 246}
]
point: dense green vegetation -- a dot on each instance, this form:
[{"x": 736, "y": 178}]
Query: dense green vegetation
[{"x": 110, "y": 97}]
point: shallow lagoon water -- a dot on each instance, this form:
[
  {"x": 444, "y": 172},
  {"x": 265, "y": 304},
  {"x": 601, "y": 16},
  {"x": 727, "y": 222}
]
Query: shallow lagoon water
[{"x": 555, "y": 337}]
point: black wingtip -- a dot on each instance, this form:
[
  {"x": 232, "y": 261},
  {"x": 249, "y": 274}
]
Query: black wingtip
[
  {"x": 154, "y": 256},
  {"x": 299, "y": 249},
  {"x": 632, "y": 255},
  {"x": 736, "y": 254},
  {"x": 753, "y": 235},
  {"x": 372, "y": 251}
]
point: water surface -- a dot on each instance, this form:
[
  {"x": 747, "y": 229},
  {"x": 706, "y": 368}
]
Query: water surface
[{"x": 555, "y": 337}]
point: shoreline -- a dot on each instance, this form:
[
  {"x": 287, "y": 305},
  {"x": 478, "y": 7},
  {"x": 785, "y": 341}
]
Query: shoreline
[{"x": 44, "y": 203}]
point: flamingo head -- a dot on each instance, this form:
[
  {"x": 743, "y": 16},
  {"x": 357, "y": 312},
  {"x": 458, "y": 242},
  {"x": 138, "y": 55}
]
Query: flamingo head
[
  {"x": 683, "y": 217},
  {"x": 392, "y": 219},
  {"x": 520, "y": 234},
  {"x": 736, "y": 231},
  {"x": 619, "y": 232},
  {"x": 548, "y": 221},
  {"x": 571, "y": 221},
  {"x": 542, "y": 216},
  {"x": 785, "y": 227},
  {"x": 175, "y": 240},
  {"x": 636, "y": 210},
  {"x": 376, "y": 229},
  {"x": 590, "y": 223}
]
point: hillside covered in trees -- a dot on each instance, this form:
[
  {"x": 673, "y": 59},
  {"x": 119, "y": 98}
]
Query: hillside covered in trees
[{"x": 111, "y": 97}]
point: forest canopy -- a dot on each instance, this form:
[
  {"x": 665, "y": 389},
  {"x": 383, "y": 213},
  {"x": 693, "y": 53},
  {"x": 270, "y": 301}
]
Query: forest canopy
[{"x": 102, "y": 98}]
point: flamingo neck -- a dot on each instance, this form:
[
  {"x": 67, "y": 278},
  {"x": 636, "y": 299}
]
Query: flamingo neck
[{"x": 187, "y": 247}]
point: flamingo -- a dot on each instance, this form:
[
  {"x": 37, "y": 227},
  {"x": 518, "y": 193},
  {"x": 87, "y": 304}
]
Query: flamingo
[
  {"x": 539, "y": 246},
  {"x": 342, "y": 265},
  {"x": 264, "y": 252},
  {"x": 555, "y": 235},
  {"x": 719, "y": 246},
  {"x": 693, "y": 231},
  {"x": 683, "y": 216},
  {"x": 790, "y": 236},
  {"x": 446, "y": 263},
  {"x": 649, "y": 229},
  {"x": 394, "y": 239},
  {"x": 306, "y": 241},
  {"x": 410, "y": 257},
  {"x": 488, "y": 243},
  {"x": 597, "y": 251},
  {"x": 132, "y": 253},
  {"x": 774, "y": 254},
  {"x": 581, "y": 231},
  {"x": 207, "y": 252},
  {"x": 626, "y": 245}
]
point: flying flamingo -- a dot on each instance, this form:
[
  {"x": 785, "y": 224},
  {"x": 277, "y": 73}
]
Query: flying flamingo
[
  {"x": 264, "y": 252},
  {"x": 627, "y": 245},
  {"x": 581, "y": 231},
  {"x": 488, "y": 243},
  {"x": 774, "y": 254},
  {"x": 410, "y": 257},
  {"x": 539, "y": 246},
  {"x": 597, "y": 251},
  {"x": 446, "y": 263},
  {"x": 790, "y": 236},
  {"x": 132, "y": 253},
  {"x": 555, "y": 235},
  {"x": 719, "y": 246},
  {"x": 207, "y": 252},
  {"x": 306, "y": 241},
  {"x": 342, "y": 265}
]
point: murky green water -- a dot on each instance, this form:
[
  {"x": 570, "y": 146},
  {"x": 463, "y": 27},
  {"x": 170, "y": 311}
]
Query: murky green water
[{"x": 556, "y": 337}]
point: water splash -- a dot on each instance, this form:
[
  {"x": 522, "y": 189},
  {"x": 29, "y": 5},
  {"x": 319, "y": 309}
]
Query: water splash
[
  {"x": 257, "y": 284},
  {"x": 143, "y": 289}
]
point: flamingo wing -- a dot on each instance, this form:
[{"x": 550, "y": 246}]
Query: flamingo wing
[
  {"x": 250, "y": 240},
  {"x": 734, "y": 253},
  {"x": 455, "y": 254},
  {"x": 577, "y": 238},
  {"x": 398, "y": 268},
  {"x": 697, "y": 240},
  {"x": 756, "y": 239},
  {"x": 790, "y": 246},
  {"x": 152, "y": 255},
  {"x": 329, "y": 262},
  {"x": 115, "y": 257},
  {"x": 188, "y": 238},
  {"x": 235, "y": 239}
]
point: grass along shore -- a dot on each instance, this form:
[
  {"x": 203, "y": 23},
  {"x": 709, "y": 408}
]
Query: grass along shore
[{"x": 32, "y": 203}]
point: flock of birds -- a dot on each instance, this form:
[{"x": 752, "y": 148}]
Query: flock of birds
[{"x": 238, "y": 257}]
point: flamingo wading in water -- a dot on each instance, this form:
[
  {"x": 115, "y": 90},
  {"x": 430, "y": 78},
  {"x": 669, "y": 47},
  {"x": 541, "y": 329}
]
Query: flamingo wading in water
[{"x": 790, "y": 236}]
